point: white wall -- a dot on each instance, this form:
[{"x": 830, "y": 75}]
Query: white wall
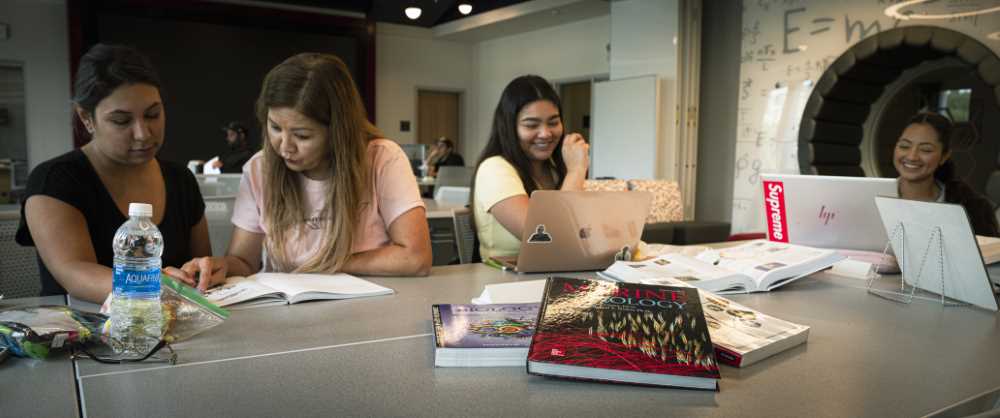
[
  {"x": 643, "y": 42},
  {"x": 39, "y": 39},
  {"x": 408, "y": 58},
  {"x": 562, "y": 53}
]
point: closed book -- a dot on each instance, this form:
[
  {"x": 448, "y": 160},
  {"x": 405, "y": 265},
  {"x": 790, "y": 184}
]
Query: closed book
[
  {"x": 623, "y": 333},
  {"x": 483, "y": 335},
  {"x": 744, "y": 336}
]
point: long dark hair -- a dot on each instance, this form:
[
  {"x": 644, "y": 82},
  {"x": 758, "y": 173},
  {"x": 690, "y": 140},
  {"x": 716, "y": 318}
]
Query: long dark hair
[
  {"x": 106, "y": 67},
  {"x": 503, "y": 136},
  {"x": 980, "y": 209}
]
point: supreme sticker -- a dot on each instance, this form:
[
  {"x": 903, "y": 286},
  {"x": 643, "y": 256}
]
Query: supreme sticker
[{"x": 774, "y": 211}]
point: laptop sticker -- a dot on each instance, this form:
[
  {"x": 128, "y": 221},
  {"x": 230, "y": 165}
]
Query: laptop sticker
[
  {"x": 540, "y": 236},
  {"x": 624, "y": 255}
]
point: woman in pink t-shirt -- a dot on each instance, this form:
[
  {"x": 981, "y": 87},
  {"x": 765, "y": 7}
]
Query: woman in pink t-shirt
[{"x": 326, "y": 194}]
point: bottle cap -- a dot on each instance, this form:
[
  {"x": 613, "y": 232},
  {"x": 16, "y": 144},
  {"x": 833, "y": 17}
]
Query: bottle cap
[{"x": 140, "y": 209}]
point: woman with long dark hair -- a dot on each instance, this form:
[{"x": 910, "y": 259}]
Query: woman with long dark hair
[
  {"x": 926, "y": 172},
  {"x": 527, "y": 151}
]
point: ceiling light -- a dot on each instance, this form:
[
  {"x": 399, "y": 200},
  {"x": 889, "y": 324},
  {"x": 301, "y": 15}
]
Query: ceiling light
[
  {"x": 413, "y": 12},
  {"x": 895, "y": 11},
  {"x": 465, "y": 8}
]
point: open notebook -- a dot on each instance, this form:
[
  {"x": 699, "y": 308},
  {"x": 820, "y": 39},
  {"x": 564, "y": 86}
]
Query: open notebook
[{"x": 286, "y": 288}]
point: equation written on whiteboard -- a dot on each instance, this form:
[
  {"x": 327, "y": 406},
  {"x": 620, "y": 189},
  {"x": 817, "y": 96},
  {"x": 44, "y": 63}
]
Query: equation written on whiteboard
[{"x": 799, "y": 28}]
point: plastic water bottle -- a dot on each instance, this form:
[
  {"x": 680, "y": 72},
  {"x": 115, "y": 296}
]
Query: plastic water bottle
[{"x": 136, "y": 319}]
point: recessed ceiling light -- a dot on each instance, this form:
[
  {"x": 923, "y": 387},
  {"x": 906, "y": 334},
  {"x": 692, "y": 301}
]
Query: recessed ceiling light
[
  {"x": 413, "y": 12},
  {"x": 465, "y": 8}
]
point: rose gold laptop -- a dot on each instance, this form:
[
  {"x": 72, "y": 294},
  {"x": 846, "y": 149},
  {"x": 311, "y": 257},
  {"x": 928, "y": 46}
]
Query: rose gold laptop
[{"x": 578, "y": 231}]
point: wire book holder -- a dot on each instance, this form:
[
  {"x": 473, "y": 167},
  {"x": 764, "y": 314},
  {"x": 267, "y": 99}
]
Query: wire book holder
[{"x": 934, "y": 251}]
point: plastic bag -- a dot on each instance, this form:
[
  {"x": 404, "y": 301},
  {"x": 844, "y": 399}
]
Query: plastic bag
[
  {"x": 36, "y": 331},
  {"x": 186, "y": 312}
]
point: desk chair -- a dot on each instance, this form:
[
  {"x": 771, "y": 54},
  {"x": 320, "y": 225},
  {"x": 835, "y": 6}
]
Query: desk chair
[
  {"x": 465, "y": 235},
  {"x": 454, "y": 176},
  {"x": 19, "y": 276}
]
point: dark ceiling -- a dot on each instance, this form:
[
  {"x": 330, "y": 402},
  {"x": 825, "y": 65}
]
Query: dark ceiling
[{"x": 435, "y": 12}]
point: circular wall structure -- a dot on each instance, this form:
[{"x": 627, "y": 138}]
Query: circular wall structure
[{"x": 832, "y": 128}]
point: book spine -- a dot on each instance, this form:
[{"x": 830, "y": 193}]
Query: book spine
[
  {"x": 728, "y": 357},
  {"x": 438, "y": 326},
  {"x": 538, "y": 322}
]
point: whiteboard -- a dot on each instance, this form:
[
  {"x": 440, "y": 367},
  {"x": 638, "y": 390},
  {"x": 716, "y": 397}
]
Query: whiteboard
[
  {"x": 786, "y": 45},
  {"x": 625, "y": 126}
]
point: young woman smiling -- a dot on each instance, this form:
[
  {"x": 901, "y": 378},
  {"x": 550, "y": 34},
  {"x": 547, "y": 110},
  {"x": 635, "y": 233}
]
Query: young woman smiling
[
  {"x": 923, "y": 159},
  {"x": 527, "y": 151},
  {"x": 326, "y": 194}
]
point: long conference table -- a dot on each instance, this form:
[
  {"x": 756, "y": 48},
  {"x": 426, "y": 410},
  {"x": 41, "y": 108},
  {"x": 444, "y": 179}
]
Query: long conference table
[{"x": 865, "y": 356}]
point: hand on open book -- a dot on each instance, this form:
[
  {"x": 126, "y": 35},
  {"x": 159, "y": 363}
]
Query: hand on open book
[{"x": 201, "y": 272}]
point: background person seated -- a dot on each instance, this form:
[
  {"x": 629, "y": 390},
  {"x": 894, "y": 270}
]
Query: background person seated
[
  {"x": 239, "y": 151},
  {"x": 922, "y": 157},
  {"x": 442, "y": 155}
]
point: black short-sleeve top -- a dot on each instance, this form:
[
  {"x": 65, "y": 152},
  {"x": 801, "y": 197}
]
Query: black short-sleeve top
[{"x": 72, "y": 179}]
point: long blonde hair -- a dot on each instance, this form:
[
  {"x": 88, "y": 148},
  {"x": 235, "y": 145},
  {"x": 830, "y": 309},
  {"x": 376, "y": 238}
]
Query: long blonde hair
[{"x": 320, "y": 87}]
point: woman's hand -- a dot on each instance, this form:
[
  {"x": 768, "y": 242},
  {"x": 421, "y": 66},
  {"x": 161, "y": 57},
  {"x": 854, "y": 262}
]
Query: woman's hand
[
  {"x": 201, "y": 272},
  {"x": 576, "y": 154}
]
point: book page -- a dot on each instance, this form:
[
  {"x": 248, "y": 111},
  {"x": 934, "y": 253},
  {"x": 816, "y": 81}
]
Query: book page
[
  {"x": 299, "y": 287},
  {"x": 240, "y": 289},
  {"x": 681, "y": 267},
  {"x": 759, "y": 258},
  {"x": 989, "y": 247}
]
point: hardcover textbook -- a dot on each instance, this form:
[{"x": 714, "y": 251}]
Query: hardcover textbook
[
  {"x": 757, "y": 266},
  {"x": 483, "y": 335},
  {"x": 623, "y": 333},
  {"x": 287, "y": 288}
]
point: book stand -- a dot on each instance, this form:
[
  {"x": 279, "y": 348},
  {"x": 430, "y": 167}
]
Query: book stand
[
  {"x": 933, "y": 239},
  {"x": 934, "y": 249}
]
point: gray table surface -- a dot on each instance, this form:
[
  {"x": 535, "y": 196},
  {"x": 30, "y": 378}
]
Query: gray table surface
[
  {"x": 37, "y": 388},
  {"x": 436, "y": 209},
  {"x": 374, "y": 357}
]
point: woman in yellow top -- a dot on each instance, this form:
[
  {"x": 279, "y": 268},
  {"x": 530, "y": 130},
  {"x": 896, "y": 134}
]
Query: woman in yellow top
[{"x": 527, "y": 151}]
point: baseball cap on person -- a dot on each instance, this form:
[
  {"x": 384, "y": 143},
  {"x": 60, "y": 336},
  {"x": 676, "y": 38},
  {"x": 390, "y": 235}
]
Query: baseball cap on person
[{"x": 235, "y": 126}]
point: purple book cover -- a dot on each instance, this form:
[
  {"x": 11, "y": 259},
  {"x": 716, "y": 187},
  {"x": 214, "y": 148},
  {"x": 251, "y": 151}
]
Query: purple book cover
[{"x": 484, "y": 326}]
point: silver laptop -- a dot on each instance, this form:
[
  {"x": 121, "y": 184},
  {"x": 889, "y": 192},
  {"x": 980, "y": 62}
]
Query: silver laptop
[
  {"x": 579, "y": 231},
  {"x": 825, "y": 211}
]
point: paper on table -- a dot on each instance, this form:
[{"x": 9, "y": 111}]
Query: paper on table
[
  {"x": 210, "y": 167},
  {"x": 516, "y": 292}
]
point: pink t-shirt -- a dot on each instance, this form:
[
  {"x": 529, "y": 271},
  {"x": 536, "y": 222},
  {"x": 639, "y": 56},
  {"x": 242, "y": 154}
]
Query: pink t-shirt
[{"x": 394, "y": 192}]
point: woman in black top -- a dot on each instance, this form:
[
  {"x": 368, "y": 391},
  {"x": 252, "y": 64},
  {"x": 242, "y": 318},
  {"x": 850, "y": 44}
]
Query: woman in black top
[
  {"x": 926, "y": 172},
  {"x": 74, "y": 203}
]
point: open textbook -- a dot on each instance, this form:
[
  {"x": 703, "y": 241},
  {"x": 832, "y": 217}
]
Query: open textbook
[
  {"x": 741, "y": 335},
  {"x": 285, "y": 288},
  {"x": 756, "y": 266}
]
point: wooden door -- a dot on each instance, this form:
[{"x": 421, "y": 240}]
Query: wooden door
[
  {"x": 575, "y": 99},
  {"x": 437, "y": 116}
]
